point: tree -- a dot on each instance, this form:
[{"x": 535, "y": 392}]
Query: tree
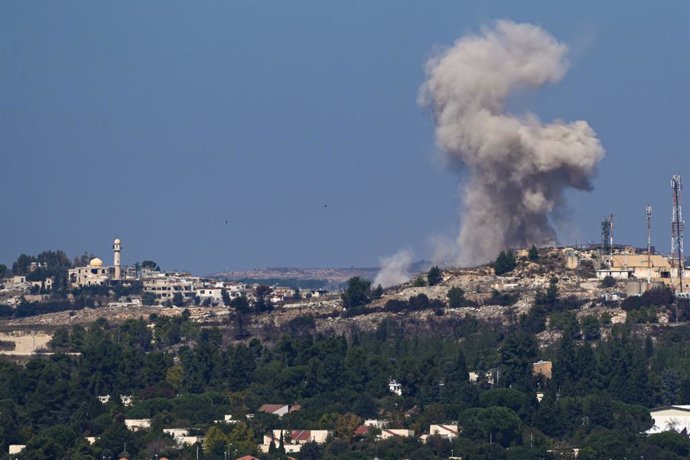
[
  {"x": 608, "y": 282},
  {"x": 505, "y": 263},
  {"x": 357, "y": 292},
  {"x": 150, "y": 265},
  {"x": 591, "y": 327},
  {"x": 435, "y": 276},
  {"x": 419, "y": 282},
  {"x": 456, "y": 297},
  {"x": 263, "y": 298},
  {"x": 346, "y": 425},
  {"x": 378, "y": 292},
  {"x": 225, "y": 296},
  {"x": 177, "y": 299},
  {"x": 3, "y": 270},
  {"x": 533, "y": 254},
  {"x": 215, "y": 441},
  {"x": 148, "y": 298}
]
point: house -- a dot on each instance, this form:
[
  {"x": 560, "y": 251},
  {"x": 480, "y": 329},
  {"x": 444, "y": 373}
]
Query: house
[
  {"x": 140, "y": 424},
  {"x": 279, "y": 409},
  {"x": 126, "y": 400},
  {"x": 248, "y": 457},
  {"x": 363, "y": 430},
  {"x": 489, "y": 376},
  {"x": 395, "y": 387},
  {"x": 293, "y": 440},
  {"x": 412, "y": 412},
  {"x": 667, "y": 418},
  {"x": 15, "y": 449},
  {"x": 444, "y": 431},
  {"x": 376, "y": 423},
  {"x": 227, "y": 419},
  {"x": 543, "y": 368},
  {"x": 91, "y": 440},
  {"x": 387, "y": 433},
  {"x": 104, "y": 398},
  {"x": 176, "y": 432}
]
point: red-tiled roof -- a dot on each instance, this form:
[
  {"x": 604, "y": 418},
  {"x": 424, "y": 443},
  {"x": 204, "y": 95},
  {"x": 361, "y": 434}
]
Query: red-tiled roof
[
  {"x": 362, "y": 430},
  {"x": 450, "y": 428},
  {"x": 271, "y": 408},
  {"x": 300, "y": 435}
]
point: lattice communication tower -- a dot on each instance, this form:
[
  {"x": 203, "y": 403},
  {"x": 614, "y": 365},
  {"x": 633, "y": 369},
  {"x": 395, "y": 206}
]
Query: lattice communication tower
[{"x": 677, "y": 228}]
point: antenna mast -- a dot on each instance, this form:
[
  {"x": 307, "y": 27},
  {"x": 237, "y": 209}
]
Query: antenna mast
[
  {"x": 648, "y": 209},
  {"x": 677, "y": 228}
]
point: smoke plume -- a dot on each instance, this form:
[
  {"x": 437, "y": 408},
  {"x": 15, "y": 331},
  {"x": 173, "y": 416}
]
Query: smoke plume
[
  {"x": 518, "y": 167},
  {"x": 395, "y": 269}
]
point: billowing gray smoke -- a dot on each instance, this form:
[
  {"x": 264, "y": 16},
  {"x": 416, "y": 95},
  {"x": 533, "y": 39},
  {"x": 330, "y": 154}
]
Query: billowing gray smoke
[{"x": 518, "y": 166}]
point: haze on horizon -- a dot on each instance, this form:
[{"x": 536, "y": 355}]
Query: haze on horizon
[{"x": 215, "y": 136}]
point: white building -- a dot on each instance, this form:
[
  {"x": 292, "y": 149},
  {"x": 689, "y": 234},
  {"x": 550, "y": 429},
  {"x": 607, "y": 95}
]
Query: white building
[
  {"x": 15, "y": 449},
  {"x": 140, "y": 424},
  {"x": 166, "y": 285},
  {"x": 96, "y": 274},
  {"x": 395, "y": 387},
  {"x": 676, "y": 418},
  {"x": 293, "y": 440},
  {"x": 445, "y": 431},
  {"x": 396, "y": 432}
]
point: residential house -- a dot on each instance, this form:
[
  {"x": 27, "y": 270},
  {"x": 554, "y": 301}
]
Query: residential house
[
  {"x": 293, "y": 440},
  {"x": 449, "y": 432},
  {"x": 667, "y": 418},
  {"x": 15, "y": 449},
  {"x": 279, "y": 409},
  {"x": 140, "y": 424},
  {"x": 543, "y": 368},
  {"x": 387, "y": 433},
  {"x": 376, "y": 423}
]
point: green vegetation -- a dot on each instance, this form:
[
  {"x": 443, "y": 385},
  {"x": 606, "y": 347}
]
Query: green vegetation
[
  {"x": 357, "y": 293},
  {"x": 456, "y": 297},
  {"x": 435, "y": 276},
  {"x": 533, "y": 254},
  {"x": 608, "y": 282},
  {"x": 182, "y": 375},
  {"x": 505, "y": 263}
]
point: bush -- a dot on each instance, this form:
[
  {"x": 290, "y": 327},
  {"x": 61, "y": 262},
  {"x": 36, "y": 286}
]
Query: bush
[
  {"x": 456, "y": 297},
  {"x": 504, "y": 299}
]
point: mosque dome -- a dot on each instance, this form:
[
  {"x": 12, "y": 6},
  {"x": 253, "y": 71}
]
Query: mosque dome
[{"x": 96, "y": 262}]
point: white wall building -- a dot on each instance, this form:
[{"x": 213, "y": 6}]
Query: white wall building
[{"x": 676, "y": 418}]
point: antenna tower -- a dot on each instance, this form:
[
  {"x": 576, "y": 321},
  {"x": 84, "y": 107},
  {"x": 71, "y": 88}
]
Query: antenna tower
[
  {"x": 606, "y": 236},
  {"x": 677, "y": 228},
  {"x": 648, "y": 210}
]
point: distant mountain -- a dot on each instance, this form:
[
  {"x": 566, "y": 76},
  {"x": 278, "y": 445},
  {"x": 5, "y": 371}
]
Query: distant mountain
[{"x": 308, "y": 278}]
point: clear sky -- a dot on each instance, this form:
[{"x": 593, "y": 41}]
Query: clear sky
[{"x": 214, "y": 135}]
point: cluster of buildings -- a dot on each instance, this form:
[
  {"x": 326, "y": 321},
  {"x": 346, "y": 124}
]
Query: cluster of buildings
[
  {"x": 637, "y": 269},
  {"x": 164, "y": 285}
]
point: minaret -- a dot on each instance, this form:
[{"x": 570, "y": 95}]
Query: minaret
[{"x": 116, "y": 258}]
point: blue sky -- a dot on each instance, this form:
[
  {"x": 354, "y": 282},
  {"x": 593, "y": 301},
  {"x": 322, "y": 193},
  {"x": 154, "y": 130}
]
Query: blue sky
[{"x": 157, "y": 122}]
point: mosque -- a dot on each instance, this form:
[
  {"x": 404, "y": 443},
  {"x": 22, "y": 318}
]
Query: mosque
[{"x": 96, "y": 274}]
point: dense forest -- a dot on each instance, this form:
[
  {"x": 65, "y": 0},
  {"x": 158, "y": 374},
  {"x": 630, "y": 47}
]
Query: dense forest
[{"x": 181, "y": 375}]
